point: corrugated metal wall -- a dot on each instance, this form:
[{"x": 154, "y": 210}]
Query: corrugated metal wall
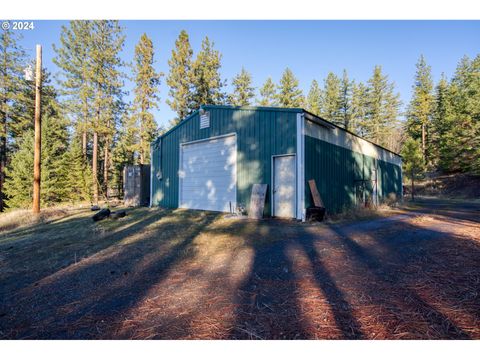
[
  {"x": 338, "y": 171},
  {"x": 261, "y": 133}
]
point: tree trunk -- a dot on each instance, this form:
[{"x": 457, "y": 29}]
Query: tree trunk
[
  {"x": 84, "y": 130},
  {"x": 423, "y": 142},
  {"x": 85, "y": 122},
  {"x": 84, "y": 144},
  {"x": 413, "y": 187},
  {"x": 37, "y": 158},
  {"x": 142, "y": 156},
  {"x": 105, "y": 170},
  {"x": 3, "y": 137},
  {"x": 3, "y": 157},
  {"x": 94, "y": 167}
]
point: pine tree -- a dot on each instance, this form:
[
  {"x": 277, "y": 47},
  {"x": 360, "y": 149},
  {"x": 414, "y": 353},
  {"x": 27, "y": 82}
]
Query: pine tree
[
  {"x": 359, "y": 108},
  {"x": 54, "y": 169},
  {"x": 413, "y": 163},
  {"x": 12, "y": 58},
  {"x": 129, "y": 138},
  {"x": 107, "y": 42},
  {"x": 441, "y": 125},
  {"x": 205, "y": 77},
  {"x": 473, "y": 104},
  {"x": 464, "y": 136},
  {"x": 288, "y": 94},
  {"x": 179, "y": 77},
  {"x": 126, "y": 148},
  {"x": 345, "y": 102},
  {"x": 243, "y": 91},
  {"x": 392, "y": 132},
  {"x": 147, "y": 81},
  {"x": 78, "y": 180},
  {"x": 383, "y": 106},
  {"x": 74, "y": 58},
  {"x": 18, "y": 185},
  {"x": 23, "y": 110},
  {"x": 268, "y": 94},
  {"x": 420, "y": 112},
  {"x": 331, "y": 99},
  {"x": 473, "y": 107},
  {"x": 314, "y": 99}
]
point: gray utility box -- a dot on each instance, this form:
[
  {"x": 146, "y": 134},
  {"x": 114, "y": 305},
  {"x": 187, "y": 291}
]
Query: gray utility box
[{"x": 136, "y": 185}]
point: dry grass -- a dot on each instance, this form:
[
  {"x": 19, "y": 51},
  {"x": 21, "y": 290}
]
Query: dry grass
[
  {"x": 21, "y": 218},
  {"x": 25, "y": 217},
  {"x": 362, "y": 213},
  {"x": 459, "y": 186}
]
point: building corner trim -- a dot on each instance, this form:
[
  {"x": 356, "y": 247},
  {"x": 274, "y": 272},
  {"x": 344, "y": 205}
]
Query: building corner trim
[
  {"x": 300, "y": 211},
  {"x": 151, "y": 175}
]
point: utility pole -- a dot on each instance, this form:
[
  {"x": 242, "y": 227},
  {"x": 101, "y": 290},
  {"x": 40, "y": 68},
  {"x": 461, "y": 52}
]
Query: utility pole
[{"x": 38, "y": 133}]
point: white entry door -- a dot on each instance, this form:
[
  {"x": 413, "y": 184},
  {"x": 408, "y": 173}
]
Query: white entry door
[
  {"x": 208, "y": 174},
  {"x": 284, "y": 186}
]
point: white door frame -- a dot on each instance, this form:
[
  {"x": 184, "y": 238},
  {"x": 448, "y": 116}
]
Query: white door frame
[
  {"x": 301, "y": 212},
  {"x": 180, "y": 161},
  {"x": 272, "y": 181}
]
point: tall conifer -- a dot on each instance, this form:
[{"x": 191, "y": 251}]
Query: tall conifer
[
  {"x": 147, "y": 81},
  {"x": 314, "y": 99},
  {"x": 331, "y": 99},
  {"x": 288, "y": 93},
  {"x": 383, "y": 106},
  {"x": 359, "y": 108},
  {"x": 268, "y": 94},
  {"x": 179, "y": 78},
  {"x": 420, "y": 111},
  {"x": 54, "y": 169},
  {"x": 345, "y": 102},
  {"x": 107, "y": 42},
  {"x": 205, "y": 77},
  {"x": 243, "y": 91},
  {"x": 12, "y": 60}
]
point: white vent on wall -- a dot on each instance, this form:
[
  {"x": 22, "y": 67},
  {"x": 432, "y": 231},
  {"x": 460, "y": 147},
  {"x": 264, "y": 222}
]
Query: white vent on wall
[{"x": 205, "y": 120}]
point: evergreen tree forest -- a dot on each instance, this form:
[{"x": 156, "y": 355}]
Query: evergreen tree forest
[{"x": 91, "y": 131}]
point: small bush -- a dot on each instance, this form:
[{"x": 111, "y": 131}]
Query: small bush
[{"x": 391, "y": 199}]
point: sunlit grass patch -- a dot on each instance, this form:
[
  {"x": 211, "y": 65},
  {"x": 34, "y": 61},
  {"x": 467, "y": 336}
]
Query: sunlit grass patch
[{"x": 20, "y": 218}]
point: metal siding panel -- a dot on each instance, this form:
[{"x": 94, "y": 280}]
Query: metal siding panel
[
  {"x": 260, "y": 134},
  {"x": 335, "y": 168}
]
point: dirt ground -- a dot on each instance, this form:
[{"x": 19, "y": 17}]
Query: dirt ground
[{"x": 163, "y": 274}]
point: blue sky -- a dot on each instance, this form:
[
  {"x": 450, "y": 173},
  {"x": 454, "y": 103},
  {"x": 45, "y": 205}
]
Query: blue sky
[{"x": 310, "y": 48}]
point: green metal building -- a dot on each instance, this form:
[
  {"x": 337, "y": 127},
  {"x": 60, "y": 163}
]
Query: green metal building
[{"x": 211, "y": 160}]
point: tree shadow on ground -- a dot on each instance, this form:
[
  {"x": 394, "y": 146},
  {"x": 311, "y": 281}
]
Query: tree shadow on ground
[
  {"x": 36, "y": 252},
  {"x": 268, "y": 305},
  {"x": 153, "y": 278},
  {"x": 265, "y": 307},
  {"x": 400, "y": 284},
  {"x": 461, "y": 210},
  {"x": 80, "y": 300},
  {"x": 395, "y": 264}
]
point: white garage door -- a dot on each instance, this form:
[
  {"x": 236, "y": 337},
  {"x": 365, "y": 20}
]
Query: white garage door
[{"x": 208, "y": 174}]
